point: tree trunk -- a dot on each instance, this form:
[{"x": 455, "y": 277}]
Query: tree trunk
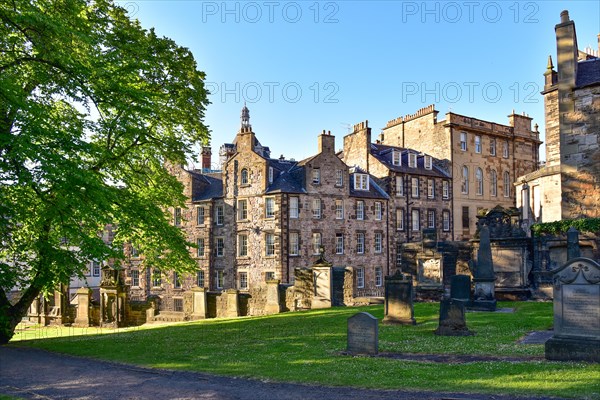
[{"x": 11, "y": 315}]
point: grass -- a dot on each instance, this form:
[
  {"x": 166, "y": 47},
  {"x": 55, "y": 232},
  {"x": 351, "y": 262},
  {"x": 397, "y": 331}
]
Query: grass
[{"x": 306, "y": 347}]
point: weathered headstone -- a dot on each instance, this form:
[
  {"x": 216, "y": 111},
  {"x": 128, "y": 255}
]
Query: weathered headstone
[
  {"x": 83, "y": 307},
  {"x": 430, "y": 271},
  {"x": 273, "y": 305},
  {"x": 483, "y": 274},
  {"x": 363, "y": 334},
  {"x": 233, "y": 303},
  {"x": 460, "y": 289},
  {"x": 399, "y": 300},
  {"x": 576, "y": 287},
  {"x": 573, "y": 244},
  {"x": 322, "y": 286},
  {"x": 452, "y": 319},
  {"x": 199, "y": 303}
]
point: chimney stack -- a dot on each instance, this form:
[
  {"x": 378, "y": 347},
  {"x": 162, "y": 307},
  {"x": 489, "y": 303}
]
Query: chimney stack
[{"x": 206, "y": 158}]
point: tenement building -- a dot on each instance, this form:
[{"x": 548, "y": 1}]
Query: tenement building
[
  {"x": 259, "y": 219},
  {"x": 483, "y": 158},
  {"x": 569, "y": 184}
]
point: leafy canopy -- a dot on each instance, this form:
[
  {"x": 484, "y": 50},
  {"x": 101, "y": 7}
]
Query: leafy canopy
[{"x": 91, "y": 107}]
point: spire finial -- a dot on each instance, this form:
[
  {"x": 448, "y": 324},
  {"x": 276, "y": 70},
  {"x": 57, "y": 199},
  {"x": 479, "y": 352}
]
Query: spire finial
[
  {"x": 550, "y": 64},
  {"x": 245, "y": 117}
]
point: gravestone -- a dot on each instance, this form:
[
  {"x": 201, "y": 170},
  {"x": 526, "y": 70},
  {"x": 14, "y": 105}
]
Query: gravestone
[
  {"x": 573, "y": 244},
  {"x": 452, "y": 319},
  {"x": 83, "y": 307},
  {"x": 483, "y": 274},
  {"x": 233, "y": 303},
  {"x": 273, "y": 305},
  {"x": 199, "y": 303},
  {"x": 576, "y": 288},
  {"x": 363, "y": 334},
  {"x": 399, "y": 300},
  {"x": 430, "y": 271},
  {"x": 460, "y": 289}
]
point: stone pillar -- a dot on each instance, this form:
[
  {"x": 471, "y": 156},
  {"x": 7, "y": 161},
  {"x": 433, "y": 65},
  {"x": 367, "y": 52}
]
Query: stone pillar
[
  {"x": 399, "y": 300},
  {"x": 83, "y": 307},
  {"x": 233, "y": 303},
  {"x": 483, "y": 274},
  {"x": 199, "y": 303},
  {"x": 573, "y": 244},
  {"x": 273, "y": 305}
]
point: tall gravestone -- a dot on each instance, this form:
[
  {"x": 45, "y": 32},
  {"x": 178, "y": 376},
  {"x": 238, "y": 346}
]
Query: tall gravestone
[
  {"x": 483, "y": 274},
  {"x": 452, "y": 321},
  {"x": 322, "y": 282},
  {"x": 82, "y": 318},
  {"x": 199, "y": 303},
  {"x": 576, "y": 288},
  {"x": 273, "y": 305},
  {"x": 460, "y": 289},
  {"x": 363, "y": 334},
  {"x": 399, "y": 300}
]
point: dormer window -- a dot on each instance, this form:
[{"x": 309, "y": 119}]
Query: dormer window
[
  {"x": 270, "y": 174},
  {"x": 316, "y": 176},
  {"x": 396, "y": 157},
  {"x": 244, "y": 177},
  {"x": 427, "y": 162},
  {"x": 361, "y": 182},
  {"x": 412, "y": 160}
]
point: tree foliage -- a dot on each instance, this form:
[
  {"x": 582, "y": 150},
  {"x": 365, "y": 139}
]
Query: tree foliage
[
  {"x": 91, "y": 107},
  {"x": 591, "y": 225}
]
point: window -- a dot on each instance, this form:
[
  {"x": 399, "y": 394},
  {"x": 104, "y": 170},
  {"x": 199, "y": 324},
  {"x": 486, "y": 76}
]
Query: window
[
  {"x": 270, "y": 244},
  {"x": 316, "y": 208},
  {"x": 220, "y": 279},
  {"x": 430, "y": 188},
  {"x": 316, "y": 242},
  {"x": 506, "y": 184},
  {"x": 414, "y": 187},
  {"x": 200, "y": 247},
  {"x": 178, "y": 304},
  {"x": 446, "y": 220},
  {"x": 360, "y": 277},
  {"x": 242, "y": 210},
  {"x": 339, "y": 177},
  {"x": 135, "y": 278},
  {"x": 361, "y": 182},
  {"x": 200, "y": 278},
  {"x": 445, "y": 189},
  {"x": 396, "y": 157},
  {"x": 493, "y": 183},
  {"x": 294, "y": 211},
  {"x": 378, "y": 211},
  {"x": 269, "y": 207},
  {"x": 271, "y": 174},
  {"x": 176, "y": 281},
  {"x": 464, "y": 187},
  {"x": 219, "y": 215},
  {"x": 431, "y": 218},
  {"x": 269, "y": 276},
  {"x": 243, "y": 280},
  {"x": 412, "y": 160},
  {"x": 95, "y": 268},
  {"x": 177, "y": 216},
  {"x": 360, "y": 243},
  {"x": 339, "y": 243},
  {"x": 200, "y": 215},
  {"x": 479, "y": 180},
  {"x": 360, "y": 210},
  {"x": 378, "y": 276},
  {"x": 135, "y": 252},
  {"x": 492, "y": 147},
  {"x": 399, "y": 186},
  {"x": 428, "y": 164},
  {"x": 339, "y": 209},
  {"x": 416, "y": 220},
  {"x": 316, "y": 176},
  {"x": 463, "y": 141},
  {"x": 244, "y": 177},
  {"x": 505, "y": 149},
  {"x": 156, "y": 278},
  {"x": 242, "y": 245},
  {"x": 294, "y": 244},
  {"x": 465, "y": 218},
  {"x": 477, "y": 144},
  {"x": 378, "y": 242},
  {"x": 400, "y": 219},
  {"x": 219, "y": 246}
]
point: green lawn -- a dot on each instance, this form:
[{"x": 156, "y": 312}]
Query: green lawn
[{"x": 307, "y": 346}]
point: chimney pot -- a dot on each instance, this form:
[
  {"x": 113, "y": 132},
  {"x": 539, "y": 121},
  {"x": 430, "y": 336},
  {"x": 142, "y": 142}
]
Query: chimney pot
[{"x": 564, "y": 16}]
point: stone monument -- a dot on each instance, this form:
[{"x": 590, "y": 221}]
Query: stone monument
[
  {"x": 199, "y": 303},
  {"x": 399, "y": 300},
  {"x": 322, "y": 282},
  {"x": 112, "y": 298},
  {"x": 483, "y": 274},
  {"x": 363, "y": 334},
  {"x": 576, "y": 288},
  {"x": 452, "y": 319},
  {"x": 83, "y": 307},
  {"x": 273, "y": 305},
  {"x": 460, "y": 289}
]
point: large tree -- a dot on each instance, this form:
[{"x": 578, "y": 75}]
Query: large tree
[{"x": 91, "y": 108}]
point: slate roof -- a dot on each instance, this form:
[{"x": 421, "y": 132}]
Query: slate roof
[
  {"x": 288, "y": 177},
  {"x": 384, "y": 153},
  {"x": 205, "y": 187},
  {"x": 588, "y": 72},
  {"x": 374, "y": 192}
]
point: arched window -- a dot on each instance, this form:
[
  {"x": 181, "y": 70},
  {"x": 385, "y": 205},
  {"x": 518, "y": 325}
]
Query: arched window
[
  {"x": 493, "y": 183},
  {"x": 506, "y": 184},
  {"x": 465, "y": 180},
  {"x": 244, "y": 177},
  {"x": 479, "y": 179}
]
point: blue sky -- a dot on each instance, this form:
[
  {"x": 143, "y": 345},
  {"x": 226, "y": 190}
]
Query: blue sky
[{"x": 305, "y": 66}]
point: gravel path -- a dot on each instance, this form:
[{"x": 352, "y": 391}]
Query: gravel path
[{"x": 37, "y": 374}]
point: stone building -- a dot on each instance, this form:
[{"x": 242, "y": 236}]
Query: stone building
[
  {"x": 419, "y": 187},
  {"x": 569, "y": 184},
  {"x": 260, "y": 219},
  {"x": 484, "y": 158}
]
